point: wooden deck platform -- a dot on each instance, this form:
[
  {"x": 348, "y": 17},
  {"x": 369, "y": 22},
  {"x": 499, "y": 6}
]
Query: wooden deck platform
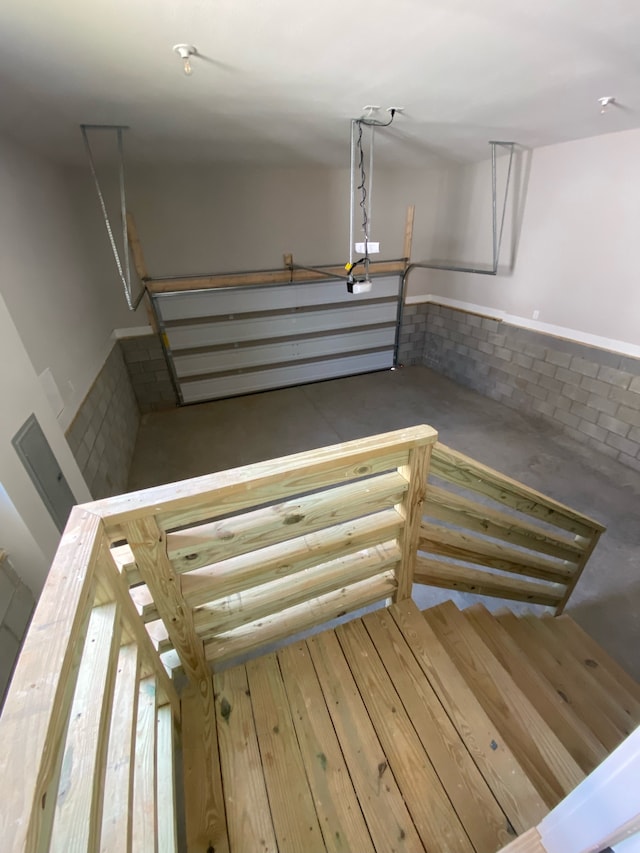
[{"x": 403, "y": 731}]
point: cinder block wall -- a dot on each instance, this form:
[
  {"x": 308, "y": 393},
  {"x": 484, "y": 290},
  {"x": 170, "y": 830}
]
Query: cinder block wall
[
  {"x": 16, "y": 607},
  {"x": 592, "y": 394},
  {"x": 149, "y": 373},
  {"x": 103, "y": 433}
]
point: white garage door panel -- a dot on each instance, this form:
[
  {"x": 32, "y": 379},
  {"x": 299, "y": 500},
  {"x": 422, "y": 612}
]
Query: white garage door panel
[
  {"x": 256, "y": 356},
  {"x": 213, "y": 303},
  {"x": 223, "y": 342},
  {"x": 245, "y": 383},
  {"x": 279, "y": 326}
]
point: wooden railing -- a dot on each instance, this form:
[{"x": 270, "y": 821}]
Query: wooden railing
[
  {"x": 199, "y": 572},
  {"x": 185, "y": 575},
  {"x": 533, "y": 547}
]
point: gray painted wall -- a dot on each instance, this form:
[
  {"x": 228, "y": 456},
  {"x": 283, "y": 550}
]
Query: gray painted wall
[{"x": 16, "y": 607}]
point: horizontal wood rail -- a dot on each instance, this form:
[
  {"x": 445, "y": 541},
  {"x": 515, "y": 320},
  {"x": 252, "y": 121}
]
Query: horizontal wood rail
[{"x": 481, "y": 518}]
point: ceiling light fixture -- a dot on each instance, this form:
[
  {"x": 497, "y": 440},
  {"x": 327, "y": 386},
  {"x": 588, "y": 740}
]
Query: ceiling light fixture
[
  {"x": 185, "y": 52},
  {"x": 604, "y": 103}
]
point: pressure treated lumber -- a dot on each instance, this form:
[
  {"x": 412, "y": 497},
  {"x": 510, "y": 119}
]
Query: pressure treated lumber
[
  {"x": 415, "y": 472},
  {"x": 578, "y": 639},
  {"x": 145, "y": 803},
  {"x": 518, "y": 798},
  {"x": 141, "y": 269},
  {"x": 285, "y": 558},
  {"x": 577, "y": 738},
  {"x": 166, "y": 779},
  {"x": 600, "y": 694},
  {"x": 341, "y": 821},
  {"x": 408, "y": 233},
  {"x": 241, "y": 608},
  {"x": 255, "y": 279},
  {"x": 483, "y": 819},
  {"x": 455, "y": 467},
  {"x": 444, "y": 505},
  {"x": 384, "y": 810},
  {"x": 248, "y": 815},
  {"x": 219, "y": 540},
  {"x": 547, "y": 763},
  {"x": 563, "y": 682},
  {"x": 454, "y": 576},
  {"x": 292, "y": 809},
  {"x": 205, "y": 820},
  {"x": 435, "y": 819},
  {"x": 78, "y": 816},
  {"x": 461, "y": 545},
  {"x": 54, "y": 642},
  {"x": 310, "y": 614},
  {"x": 118, "y": 785},
  {"x": 191, "y": 501}
]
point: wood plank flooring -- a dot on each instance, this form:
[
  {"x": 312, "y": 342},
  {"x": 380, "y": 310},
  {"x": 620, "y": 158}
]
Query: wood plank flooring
[{"x": 443, "y": 732}]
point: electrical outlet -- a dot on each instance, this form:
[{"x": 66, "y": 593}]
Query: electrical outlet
[
  {"x": 536, "y": 314},
  {"x": 374, "y": 248}
]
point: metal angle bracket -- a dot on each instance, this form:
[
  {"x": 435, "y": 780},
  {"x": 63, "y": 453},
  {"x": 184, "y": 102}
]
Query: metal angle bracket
[{"x": 123, "y": 264}]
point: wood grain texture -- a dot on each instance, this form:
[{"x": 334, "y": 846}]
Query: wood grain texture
[
  {"x": 78, "y": 815},
  {"x": 538, "y": 750},
  {"x": 454, "y": 576},
  {"x": 279, "y": 561},
  {"x": 266, "y": 277},
  {"x": 601, "y": 693},
  {"x": 434, "y": 817},
  {"x": 191, "y": 501},
  {"x": 341, "y": 821},
  {"x": 455, "y": 467},
  {"x": 594, "y": 539},
  {"x": 485, "y": 823},
  {"x": 585, "y": 647},
  {"x": 118, "y": 786},
  {"x": 444, "y": 505},
  {"x": 578, "y": 739},
  {"x": 563, "y": 682},
  {"x": 248, "y": 815},
  {"x": 415, "y": 472},
  {"x": 239, "y": 609},
  {"x": 461, "y": 545},
  {"x": 166, "y": 779},
  {"x": 219, "y": 540},
  {"x": 508, "y": 781},
  {"x": 145, "y": 803},
  {"x": 383, "y": 807},
  {"x": 53, "y": 645},
  {"x": 148, "y": 544},
  {"x": 299, "y": 618},
  {"x": 205, "y": 820},
  {"x": 292, "y": 808},
  {"x": 134, "y": 630},
  {"x": 530, "y": 842}
]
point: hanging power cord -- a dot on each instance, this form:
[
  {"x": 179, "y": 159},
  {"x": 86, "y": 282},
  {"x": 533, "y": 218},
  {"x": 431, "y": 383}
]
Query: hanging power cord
[{"x": 362, "y": 188}]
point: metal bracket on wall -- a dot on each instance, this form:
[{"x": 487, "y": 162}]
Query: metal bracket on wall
[{"x": 123, "y": 263}]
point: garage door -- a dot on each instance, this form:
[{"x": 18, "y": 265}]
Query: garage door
[{"x": 230, "y": 341}]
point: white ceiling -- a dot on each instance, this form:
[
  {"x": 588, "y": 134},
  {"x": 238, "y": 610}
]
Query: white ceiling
[{"x": 278, "y": 80}]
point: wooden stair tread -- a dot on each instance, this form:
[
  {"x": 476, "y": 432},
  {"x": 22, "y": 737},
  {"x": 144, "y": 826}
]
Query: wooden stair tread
[
  {"x": 602, "y": 667},
  {"x": 548, "y": 764},
  {"x": 599, "y": 695},
  {"x": 578, "y": 739},
  {"x": 562, "y": 680}
]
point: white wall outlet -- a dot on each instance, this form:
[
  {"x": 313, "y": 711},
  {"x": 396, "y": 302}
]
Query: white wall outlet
[
  {"x": 374, "y": 248},
  {"x": 536, "y": 314}
]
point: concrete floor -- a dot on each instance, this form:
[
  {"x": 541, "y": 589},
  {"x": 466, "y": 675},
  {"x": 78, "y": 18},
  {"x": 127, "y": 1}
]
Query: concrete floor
[{"x": 199, "y": 439}]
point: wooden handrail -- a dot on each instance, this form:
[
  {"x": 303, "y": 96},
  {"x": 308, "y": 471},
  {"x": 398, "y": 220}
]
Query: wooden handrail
[{"x": 535, "y": 550}]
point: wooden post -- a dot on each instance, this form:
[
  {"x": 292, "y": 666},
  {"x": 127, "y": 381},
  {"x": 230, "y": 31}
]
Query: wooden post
[
  {"x": 416, "y": 472},
  {"x": 408, "y": 233},
  {"x": 576, "y": 575},
  {"x": 141, "y": 268},
  {"x": 149, "y": 545}
]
